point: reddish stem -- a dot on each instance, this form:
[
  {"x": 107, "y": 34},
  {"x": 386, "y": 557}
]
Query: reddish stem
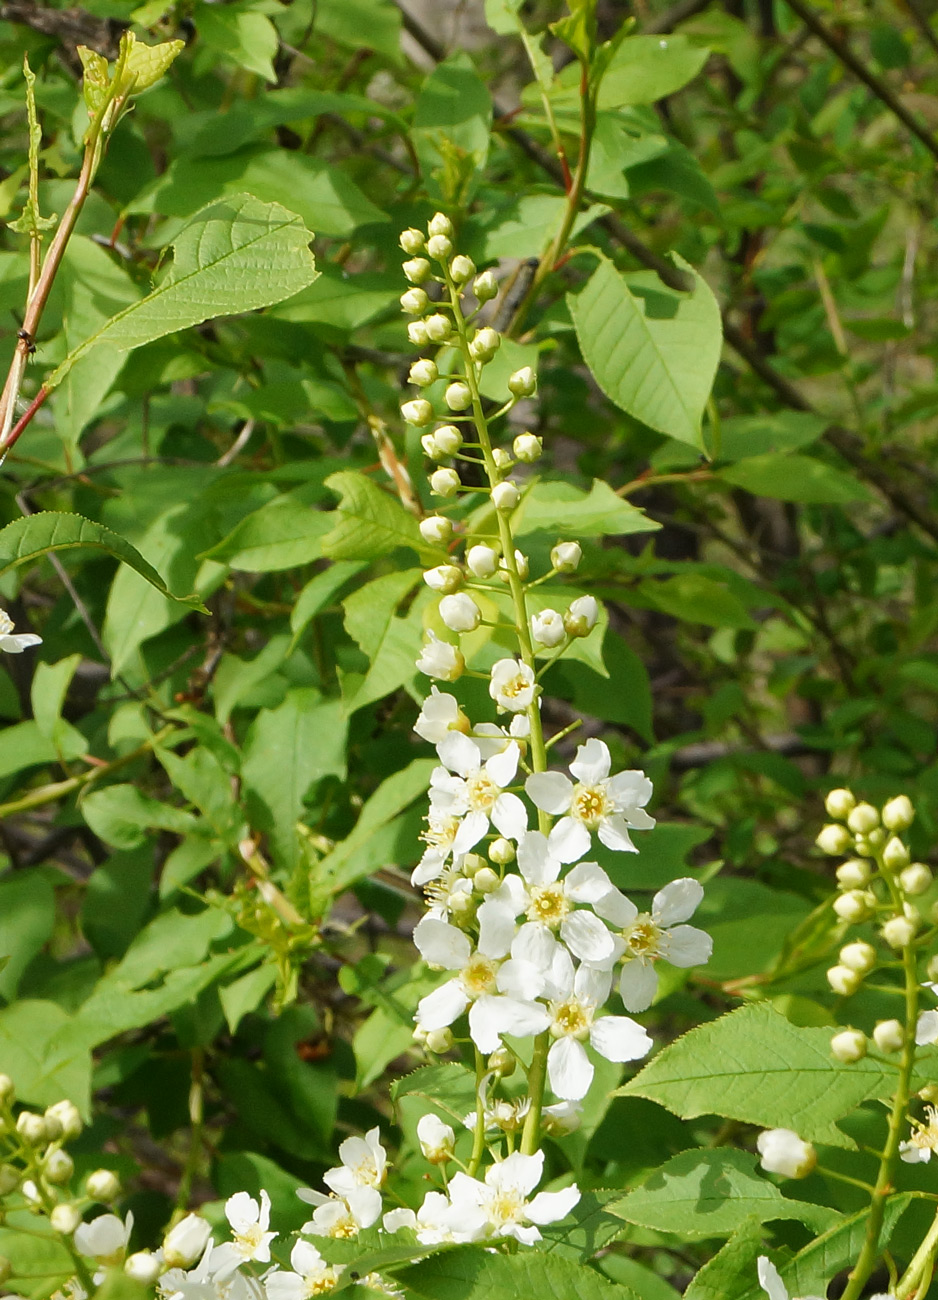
[{"x": 25, "y": 418}]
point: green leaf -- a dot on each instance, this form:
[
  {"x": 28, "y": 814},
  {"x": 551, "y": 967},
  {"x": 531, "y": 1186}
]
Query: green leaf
[
  {"x": 562, "y": 508},
  {"x": 647, "y": 68},
  {"x": 795, "y": 478},
  {"x": 39, "y": 1054},
  {"x": 466, "y": 1273},
  {"x": 753, "y": 1065},
  {"x": 122, "y": 815},
  {"x": 146, "y": 64},
  {"x": 282, "y": 534},
  {"x": 47, "y": 695},
  {"x": 711, "y": 1194},
  {"x": 742, "y": 436},
  {"x": 35, "y": 1251},
  {"x": 452, "y": 128},
  {"x": 318, "y": 594},
  {"x": 235, "y": 255},
  {"x": 369, "y": 522},
  {"x": 27, "y": 918},
  {"x": 243, "y": 35},
  {"x": 655, "y": 356},
  {"x": 694, "y": 598},
  {"x": 287, "y": 749},
  {"x": 362, "y": 24},
  {"x": 47, "y": 533},
  {"x": 730, "y": 1269},
  {"x": 245, "y": 994}
]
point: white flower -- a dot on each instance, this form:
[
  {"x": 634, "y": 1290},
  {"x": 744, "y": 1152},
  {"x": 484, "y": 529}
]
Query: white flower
[
  {"x": 249, "y": 1222},
  {"x": 186, "y": 1241},
  {"x": 498, "y": 993},
  {"x": 15, "y": 644},
  {"x": 482, "y": 561},
  {"x": 574, "y": 1019},
  {"x": 547, "y": 628},
  {"x": 512, "y": 685},
  {"x": 439, "y": 836},
  {"x": 439, "y": 716},
  {"x": 566, "y": 556},
  {"x": 460, "y": 613},
  {"x": 926, "y": 1029},
  {"x": 502, "y": 1198},
  {"x": 772, "y": 1284},
  {"x": 581, "y": 615},
  {"x": 105, "y": 1238},
  {"x": 476, "y": 793},
  {"x": 341, "y": 1216},
  {"x": 440, "y": 659},
  {"x": 435, "y": 1222},
  {"x": 549, "y": 905},
  {"x": 648, "y": 936},
  {"x": 783, "y": 1152},
  {"x": 436, "y": 1139},
  {"x": 597, "y": 802},
  {"x": 177, "y": 1284},
  {"x": 311, "y": 1275},
  {"x": 923, "y": 1141},
  {"x": 364, "y": 1164}
]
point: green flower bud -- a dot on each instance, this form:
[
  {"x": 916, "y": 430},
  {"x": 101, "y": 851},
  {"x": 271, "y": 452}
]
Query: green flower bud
[
  {"x": 898, "y": 813},
  {"x": 840, "y": 804},
  {"x": 523, "y": 383},
  {"x": 889, "y": 1036},
  {"x": 863, "y": 819},
  {"x": 414, "y": 302},
  {"x": 412, "y": 241}
]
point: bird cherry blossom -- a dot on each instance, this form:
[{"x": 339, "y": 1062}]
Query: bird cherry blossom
[
  {"x": 499, "y": 1205},
  {"x": 310, "y": 1276},
  {"x": 574, "y": 1019},
  {"x": 646, "y": 936},
  {"x": 105, "y": 1238},
  {"x": 15, "y": 643},
  {"x": 251, "y": 1239},
  {"x": 341, "y": 1216},
  {"x": 923, "y": 1141},
  {"x": 512, "y": 685},
  {"x": 440, "y": 715},
  {"x": 364, "y": 1164},
  {"x": 595, "y": 802},
  {"x": 473, "y": 790}
]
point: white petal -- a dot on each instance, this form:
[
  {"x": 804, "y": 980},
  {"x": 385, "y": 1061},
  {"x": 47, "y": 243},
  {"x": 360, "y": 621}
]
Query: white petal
[
  {"x": 17, "y": 643},
  {"x": 496, "y": 928},
  {"x": 551, "y": 1207},
  {"x": 569, "y": 840},
  {"x": 638, "y": 985},
  {"x": 552, "y": 792},
  {"x": 616, "y": 908},
  {"x": 490, "y": 1017},
  {"x": 398, "y": 1218},
  {"x": 534, "y": 860},
  {"x": 509, "y": 816},
  {"x": 283, "y": 1286},
  {"x": 614, "y": 833},
  {"x": 592, "y": 762},
  {"x": 474, "y": 825},
  {"x": 569, "y": 1069},
  {"x": 365, "y": 1204},
  {"x": 559, "y": 980},
  {"x": 685, "y": 945},
  {"x": 534, "y": 943},
  {"x": 913, "y": 1155},
  {"x": 442, "y": 944},
  {"x": 677, "y": 901},
  {"x": 593, "y": 986},
  {"x": 769, "y": 1279},
  {"x": 926, "y": 1030},
  {"x": 618, "y": 1038},
  {"x": 502, "y": 767},
  {"x": 459, "y": 754},
  {"x": 311, "y": 1196},
  {"x": 305, "y": 1258},
  {"x": 516, "y": 1173},
  {"x": 428, "y": 868},
  {"x": 587, "y": 937},
  {"x": 630, "y": 790},
  {"x": 512, "y": 893},
  {"x": 241, "y": 1211},
  {"x": 586, "y": 883},
  {"x": 520, "y": 979},
  {"x": 444, "y": 1005}
]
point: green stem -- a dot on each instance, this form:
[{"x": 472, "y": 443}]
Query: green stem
[
  {"x": 869, "y": 1253},
  {"x": 915, "y": 1281},
  {"x": 478, "y": 1137},
  {"x": 196, "y": 1120},
  {"x": 537, "y": 1076}
]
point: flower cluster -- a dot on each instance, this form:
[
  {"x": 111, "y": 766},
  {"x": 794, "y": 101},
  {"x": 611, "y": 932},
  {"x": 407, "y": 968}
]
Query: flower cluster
[{"x": 532, "y": 934}]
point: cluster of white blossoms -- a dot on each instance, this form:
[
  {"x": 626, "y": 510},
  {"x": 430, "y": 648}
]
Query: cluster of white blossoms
[{"x": 533, "y": 936}]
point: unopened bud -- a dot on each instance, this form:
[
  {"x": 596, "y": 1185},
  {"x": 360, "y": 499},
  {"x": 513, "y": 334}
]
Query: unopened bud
[
  {"x": 419, "y": 1035},
  {"x": 854, "y": 874},
  {"x": 439, "y": 1040},
  {"x": 462, "y": 268},
  {"x": 863, "y": 818},
  {"x": 916, "y": 879},
  {"x": 412, "y": 241},
  {"x": 527, "y": 447},
  {"x": 566, "y": 557},
  {"x": 840, "y": 804},
  {"x": 457, "y": 396},
  {"x": 414, "y": 302},
  {"x": 485, "y": 286},
  {"x": 523, "y": 382},
  {"x": 481, "y": 561},
  {"x": 849, "y": 1046},
  {"x": 889, "y": 1035},
  {"x": 7, "y": 1091},
  {"x": 437, "y": 1140},
  {"x": 9, "y": 1179},
  {"x": 547, "y": 628},
  {"x": 899, "y": 931},
  {"x": 418, "y": 412},
  {"x": 843, "y": 980},
  {"x": 439, "y": 247},
  {"x": 444, "y": 578},
  {"x": 31, "y": 1127},
  {"x": 143, "y": 1267},
  {"x": 486, "y": 880},
  {"x": 485, "y": 344},
  {"x": 103, "y": 1185},
  {"x": 522, "y": 565},
  {"x": 471, "y": 863},
  {"x": 502, "y": 458},
  {"x": 64, "y": 1219},
  {"x": 460, "y": 613},
  {"x": 833, "y": 839},
  {"x": 502, "y": 1062},
  {"x": 859, "y": 957},
  {"x": 448, "y": 439},
  {"x": 581, "y": 616},
  {"x": 58, "y": 1166},
  {"x": 855, "y": 905},
  {"x": 185, "y": 1242},
  {"x": 501, "y": 852},
  {"x": 436, "y": 530},
  {"x": 445, "y": 482},
  {"x": 782, "y": 1151},
  {"x": 439, "y": 224},
  {"x": 423, "y": 372},
  {"x": 895, "y": 854},
  {"x": 66, "y": 1112},
  {"x": 438, "y": 327},
  {"x": 417, "y": 270},
  {"x": 898, "y": 813},
  {"x": 505, "y": 496},
  {"x": 417, "y": 333}
]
